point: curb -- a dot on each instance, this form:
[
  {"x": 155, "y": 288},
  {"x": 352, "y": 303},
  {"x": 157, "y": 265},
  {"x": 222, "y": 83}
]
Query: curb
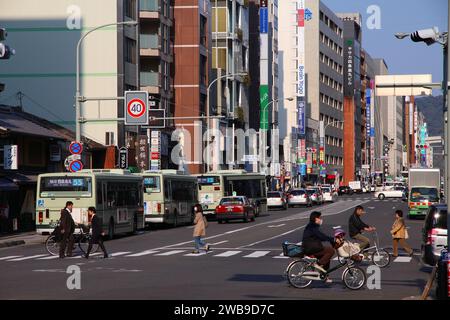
[{"x": 11, "y": 243}]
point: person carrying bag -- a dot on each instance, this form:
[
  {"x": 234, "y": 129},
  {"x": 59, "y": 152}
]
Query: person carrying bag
[
  {"x": 400, "y": 234},
  {"x": 200, "y": 229}
]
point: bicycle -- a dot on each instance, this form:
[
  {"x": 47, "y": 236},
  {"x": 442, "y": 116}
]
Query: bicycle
[
  {"x": 302, "y": 271},
  {"x": 380, "y": 257},
  {"x": 82, "y": 238}
]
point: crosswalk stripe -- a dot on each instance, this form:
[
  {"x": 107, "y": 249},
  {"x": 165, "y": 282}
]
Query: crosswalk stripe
[
  {"x": 115, "y": 254},
  {"x": 403, "y": 259},
  {"x": 169, "y": 253},
  {"x": 257, "y": 254},
  {"x": 48, "y": 258},
  {"x": 195, "y": 254},
  {"x": 281, "y": 256},
  {"x": 27, "y": 258},
  {"x": 9, "y": 257},
  {"x": 143, "y": 253},
  {"x": 227, "y": 253}
]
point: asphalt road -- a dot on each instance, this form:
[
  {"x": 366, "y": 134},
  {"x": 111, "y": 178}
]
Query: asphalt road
[{"x": 246, "y": 262}]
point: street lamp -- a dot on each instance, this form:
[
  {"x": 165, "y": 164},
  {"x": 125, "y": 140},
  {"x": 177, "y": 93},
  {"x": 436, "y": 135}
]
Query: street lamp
[
  {"x": 207, "y": 108},
  {"x": 276, "y": 100},
  {"x": 78, "y": 94}
]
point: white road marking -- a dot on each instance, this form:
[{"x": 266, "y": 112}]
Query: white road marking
[
  {"x": 169, "y": 253},
  {"x": 237, "y": 230},
  {"x": 217, "y": 243},
  {"x": 195, "y": 254},
  {"x": 9, "y": 257},
  {"x": 227, "y": 253},
  {"x": 28, "y": 258},
  {"x": 48, "y": 258},
  {"x": 115, "y": 254},
  {"x": 281, "y": 256},
  {"x": 257, "y": 254},
  {"x": 143, "y": 253},
  {"x": 277, "y": 226},
  {"x": 403, "y": 259}
]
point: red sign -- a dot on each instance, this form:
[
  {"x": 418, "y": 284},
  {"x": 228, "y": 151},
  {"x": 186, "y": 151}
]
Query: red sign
[
  {"x": 155, "y": 155},
  {"x": 301, "y": 17},
  {"x": 136, "y": 108},
  {"x": 75, "y": 147},
  {"x": 75, "y": 166}
]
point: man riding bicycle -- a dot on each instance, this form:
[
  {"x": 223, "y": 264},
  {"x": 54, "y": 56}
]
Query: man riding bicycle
[
  {"x": 356, "y": 226},
  {"x": 312, "y": 243}
]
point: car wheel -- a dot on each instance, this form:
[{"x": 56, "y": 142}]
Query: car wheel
[
  {"x": 381, "y": 196},
  {"x": 246, "y": 217},
  {"x": 220, "y": 221}
]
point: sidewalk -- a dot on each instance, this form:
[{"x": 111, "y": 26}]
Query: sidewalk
[{"x": 22, "y": 238}]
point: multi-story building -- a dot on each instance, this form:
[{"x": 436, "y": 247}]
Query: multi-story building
[
  {"x": 353, "y": 107},
  {"x": 322, "y": 59},
  {"x": 230, "y": 56},
  {"x": 395, "y": 134},
  {"x": 44, "y": 68},
  {"x": 156, "y": 61}
]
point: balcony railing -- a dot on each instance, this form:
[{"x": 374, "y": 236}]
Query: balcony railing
[
  {"x": 149, "y": 79},
  {"x": 149, "y": 5},
  {"x": 149, "y": 41}
]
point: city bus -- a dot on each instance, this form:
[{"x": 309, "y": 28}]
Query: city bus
[
  {"x": 169, "y": 197},
  {"x": 214, "y": 185},
  {"x": 116, "y": 195}
]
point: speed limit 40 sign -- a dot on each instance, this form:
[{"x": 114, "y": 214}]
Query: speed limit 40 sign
[{"x": 136, "y": 107}]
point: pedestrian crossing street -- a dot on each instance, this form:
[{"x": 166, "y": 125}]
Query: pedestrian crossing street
[{"x": 184, "y": 252}]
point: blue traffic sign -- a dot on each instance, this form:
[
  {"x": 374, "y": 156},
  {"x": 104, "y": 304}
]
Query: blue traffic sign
[
  {"x": 75, "y": 166},
  {"x": 75, "y": 148}
]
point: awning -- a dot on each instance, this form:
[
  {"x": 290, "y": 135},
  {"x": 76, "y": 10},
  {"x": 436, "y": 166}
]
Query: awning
[
  {"x": 22, "y": 178},
  {"x": 7, "y": 185}
]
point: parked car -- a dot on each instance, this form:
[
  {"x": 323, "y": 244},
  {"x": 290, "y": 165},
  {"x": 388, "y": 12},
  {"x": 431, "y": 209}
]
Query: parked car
[
  {"x": 329, "y": 195},
  {"x": 315, "y": 195},
  {"x": 235, "y": 208},
  {"x": 434, "y": 233},
  {"x": 395, "y": 192},
  {"x": 299, "y": 197},
  {"x": 276, "y": 199},
  {"x": 345, "y": 190}
]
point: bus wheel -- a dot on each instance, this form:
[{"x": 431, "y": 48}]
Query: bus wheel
[{"x": 111, "y": 229}]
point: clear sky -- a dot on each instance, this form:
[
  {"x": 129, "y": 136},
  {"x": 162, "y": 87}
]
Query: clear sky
[{"x": 401, "y": 56}]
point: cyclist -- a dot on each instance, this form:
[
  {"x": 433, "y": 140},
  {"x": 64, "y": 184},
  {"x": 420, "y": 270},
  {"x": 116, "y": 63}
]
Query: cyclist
[
  {"x": 356, "y": 226},
  {"x": 312, "y": 243}
]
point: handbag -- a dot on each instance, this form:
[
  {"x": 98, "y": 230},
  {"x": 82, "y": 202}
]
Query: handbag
[
  {"x": 406, "y": 234},
  {"x": 205, "y": 222}
]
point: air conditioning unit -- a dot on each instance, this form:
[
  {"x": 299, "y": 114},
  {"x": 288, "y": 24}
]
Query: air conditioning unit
[{"x": 109, "y": 138}]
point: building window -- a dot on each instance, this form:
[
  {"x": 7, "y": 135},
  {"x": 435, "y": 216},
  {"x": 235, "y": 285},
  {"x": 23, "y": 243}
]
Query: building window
[
  {"x": 130, "y": 50},
  {"x": 203, "y": 30},
  {"x": 203, "y": 66},
  {"x": 130, "y": 9}
]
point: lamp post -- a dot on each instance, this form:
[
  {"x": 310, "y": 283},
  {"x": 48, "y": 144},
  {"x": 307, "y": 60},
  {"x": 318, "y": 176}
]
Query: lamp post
[
  {"x": 208, "y": 110},
  {"x": 78, "y": 93}
]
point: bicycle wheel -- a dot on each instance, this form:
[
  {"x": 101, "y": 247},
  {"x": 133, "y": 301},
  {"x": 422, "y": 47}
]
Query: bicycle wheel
[
  {"x": 83, "y": 243},
  {"x": 295, "y": 274},
  {"x": 381, "y": 258},
  {"x": 52, "y": 245},
  {"x": 354, "y": 278}
]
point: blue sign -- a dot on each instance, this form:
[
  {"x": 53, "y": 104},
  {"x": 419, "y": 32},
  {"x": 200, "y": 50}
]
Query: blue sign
[
  {"x": 77, "y": 182},
  {"x": 308, "y": 14},
  {"x": 301, "y": 117},
  {"x": 75, "y": 148},
  {"x": 303, "y": 169},
  {"x": 75, "y": 166},
  {"x": 372, "y": 132},
  {"x": 263, "y": 20},
  {"x": 40, "y": 203}
]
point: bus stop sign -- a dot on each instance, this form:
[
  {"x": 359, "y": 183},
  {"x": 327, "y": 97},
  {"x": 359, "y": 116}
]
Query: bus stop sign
[{"x": 136, "y": 108}]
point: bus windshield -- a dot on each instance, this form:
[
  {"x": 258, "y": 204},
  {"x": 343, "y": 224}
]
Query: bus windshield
[
  {"x": 65, "y": 186},
  {"x": 422, "y": 194},
  {"x": 152, "y": 184}
]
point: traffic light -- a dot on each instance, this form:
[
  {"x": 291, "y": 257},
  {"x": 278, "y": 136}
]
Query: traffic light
[{"x": 5, "y": 51}]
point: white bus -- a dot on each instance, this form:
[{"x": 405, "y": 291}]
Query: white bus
[
  {"x": 214, "y": 185},
  {"x": 169, "y": 197},
  {"x": 116, "y": 195}
]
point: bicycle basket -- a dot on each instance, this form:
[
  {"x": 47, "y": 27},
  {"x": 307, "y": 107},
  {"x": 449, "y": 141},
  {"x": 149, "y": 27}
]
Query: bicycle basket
[{"x": 292, "y": 250}]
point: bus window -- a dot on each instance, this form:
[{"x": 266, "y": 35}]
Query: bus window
[
  {"x": 183, "y": 191},
  {"x": 99, "y": 193},
  {"x": 64, "y": 186},
  {"x": 152, "y": 184}
]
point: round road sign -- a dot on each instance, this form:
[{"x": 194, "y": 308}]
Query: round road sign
[
  {"x": 136, "y": 108},
  {"x": 75, "y": 148},
  {"x": 75, "y": 166}
]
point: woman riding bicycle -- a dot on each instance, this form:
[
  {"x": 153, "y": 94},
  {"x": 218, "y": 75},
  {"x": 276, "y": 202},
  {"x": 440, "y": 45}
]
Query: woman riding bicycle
[{"x": 312, "y": 242}]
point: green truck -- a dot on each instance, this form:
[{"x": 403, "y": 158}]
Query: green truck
[{"x": 423, "y": 190}]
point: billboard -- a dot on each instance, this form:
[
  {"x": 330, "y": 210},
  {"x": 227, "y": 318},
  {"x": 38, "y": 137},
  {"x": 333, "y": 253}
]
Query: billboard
[
  {"x": 349, "y": 53},
  {"x": 264, "y": 101}
]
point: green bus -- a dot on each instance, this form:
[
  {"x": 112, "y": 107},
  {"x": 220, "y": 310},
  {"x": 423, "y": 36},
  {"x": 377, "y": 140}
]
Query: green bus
[
  {"x": 116, "y": 195},
  {"x": 214, "y": 185},
  {"x": 169, "y": 197}
]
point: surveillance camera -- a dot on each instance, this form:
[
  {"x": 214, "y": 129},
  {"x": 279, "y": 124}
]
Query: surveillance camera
[{"x": 429, "y": 36}]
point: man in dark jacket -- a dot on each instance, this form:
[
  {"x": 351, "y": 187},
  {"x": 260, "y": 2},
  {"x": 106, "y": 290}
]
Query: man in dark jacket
[
  {"x": 312, "y": 242},
  {"x": 67, "y": 229},
  {"x": 356, "y": 226},
  {"x": 97, "y": 233}
]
